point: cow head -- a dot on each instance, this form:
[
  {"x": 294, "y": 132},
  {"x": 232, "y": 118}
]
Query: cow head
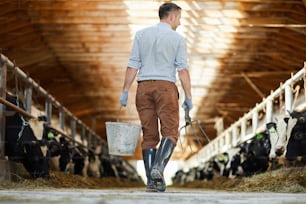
[
  {"x": 296, "y": 125},
  {"x": 277, "y": 133}
]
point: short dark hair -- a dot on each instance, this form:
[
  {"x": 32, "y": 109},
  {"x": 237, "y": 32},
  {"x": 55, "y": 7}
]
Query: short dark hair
[{"x": 166, "y": 8}]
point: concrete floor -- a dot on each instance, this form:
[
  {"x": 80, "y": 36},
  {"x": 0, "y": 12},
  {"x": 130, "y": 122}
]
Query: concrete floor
[{"x": 138, "y": 196}]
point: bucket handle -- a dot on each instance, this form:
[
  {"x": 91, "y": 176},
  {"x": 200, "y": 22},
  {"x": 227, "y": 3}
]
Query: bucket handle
[{"x": 118, "y": 113}]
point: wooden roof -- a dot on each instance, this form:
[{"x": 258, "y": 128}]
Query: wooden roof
[{"x": 239, "y": 50}]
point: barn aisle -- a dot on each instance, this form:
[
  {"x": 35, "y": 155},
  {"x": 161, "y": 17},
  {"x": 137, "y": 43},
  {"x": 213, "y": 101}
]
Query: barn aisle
[{"x": 137, "y": 195}]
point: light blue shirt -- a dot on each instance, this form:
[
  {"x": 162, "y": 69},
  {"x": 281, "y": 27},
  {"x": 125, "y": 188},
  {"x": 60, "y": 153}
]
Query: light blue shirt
[{"x": 158, "y": 52}]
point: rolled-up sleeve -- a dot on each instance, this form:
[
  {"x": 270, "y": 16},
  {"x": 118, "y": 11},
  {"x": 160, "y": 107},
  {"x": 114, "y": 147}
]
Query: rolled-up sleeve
[
  {"x": 134, "y": 60},
  {"x": 181, "y": 56}
]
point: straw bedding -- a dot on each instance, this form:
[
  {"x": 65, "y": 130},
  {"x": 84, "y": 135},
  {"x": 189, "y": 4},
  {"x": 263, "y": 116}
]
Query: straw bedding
[{"x": 289, "y": 180}]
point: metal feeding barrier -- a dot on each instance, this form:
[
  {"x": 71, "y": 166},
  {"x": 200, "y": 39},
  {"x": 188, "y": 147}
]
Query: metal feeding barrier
[
  {"x": 247, "y": 126},
  {"x": 50, "y": 102}
]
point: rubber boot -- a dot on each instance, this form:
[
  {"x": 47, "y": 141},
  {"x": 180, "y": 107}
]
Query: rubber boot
[
  {"x": 161, "y": 159},
  {"x": 148, "y": 156}
]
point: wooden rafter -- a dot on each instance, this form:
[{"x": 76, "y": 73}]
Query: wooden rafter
[{"x": 250, "y": 82}]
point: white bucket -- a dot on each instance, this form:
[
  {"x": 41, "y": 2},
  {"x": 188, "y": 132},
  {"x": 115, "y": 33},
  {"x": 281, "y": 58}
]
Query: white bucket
[{"x": 122, "y": 138}]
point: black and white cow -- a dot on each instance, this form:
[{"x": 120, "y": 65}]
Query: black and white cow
[
  {"x": 59, "y": 153},
  {"x": 289, "y": 139},
  {"x": 204, "y": 172},
  {"x": 21, "y": 144},
  {"x": 94, "y": 166},
  {"x": 296, "y": 145},
  {"x": 220, "y": 162},
  {"x": 257, "y": 155},
  {"x": 278, "y": 136},
  {"x": 77, "y": 163}
]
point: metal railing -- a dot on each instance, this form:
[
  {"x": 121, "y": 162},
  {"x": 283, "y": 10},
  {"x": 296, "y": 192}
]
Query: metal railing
[
  {"x": 250, "y": 124},
  {"x": 50, "y": 102}
]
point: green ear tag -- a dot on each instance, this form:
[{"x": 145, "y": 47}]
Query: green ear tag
[
  {"x": 259, "y": 136},
  {"x": 272, "y": 130},
  {"x": 50, "y": 135}
]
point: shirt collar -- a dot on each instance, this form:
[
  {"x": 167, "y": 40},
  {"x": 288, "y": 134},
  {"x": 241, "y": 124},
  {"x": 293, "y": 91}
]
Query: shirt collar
[{"x": 165, "y": 25}]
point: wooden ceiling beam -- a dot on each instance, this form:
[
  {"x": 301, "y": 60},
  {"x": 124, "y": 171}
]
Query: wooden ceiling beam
[
  {"x": 6, "y": 8},
  {"x": 22, "y": 59},
  {"x": 84, "y": 27},
  {"x": 13, "y": 25},
  {"x": 100, "y": 35},
  {"x": 260, "y": 74},
  {"x": 254, "y": 87},
  {"x": 85, "y": 5}
]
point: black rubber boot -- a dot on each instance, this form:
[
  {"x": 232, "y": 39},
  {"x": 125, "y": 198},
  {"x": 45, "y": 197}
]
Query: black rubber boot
[
  {"x": 161, "y": 159},
  {"x": 148, "y": 156}
]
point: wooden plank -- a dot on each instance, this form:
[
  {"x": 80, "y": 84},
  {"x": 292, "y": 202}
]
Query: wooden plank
[
  {"x": 9, "y": 27},
  {"x": 23, "y": 59},
  {"x": 95, "y": 20},
  {"x": 7, "y": 7},
  {"x": 77, "y": 4},
  {"x": 100, "y": 35},
  {"x": 108, "y": 28}
]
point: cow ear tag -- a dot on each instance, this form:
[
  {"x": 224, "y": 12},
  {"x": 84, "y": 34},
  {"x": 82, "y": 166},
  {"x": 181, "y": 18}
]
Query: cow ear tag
[
  {"x": 272, "y": 130},
  {"x": 50, "y": 135},
  {"x": 259, "y": 136}
]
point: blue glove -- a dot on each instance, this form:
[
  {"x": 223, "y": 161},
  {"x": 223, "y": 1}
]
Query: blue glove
[
  {"x": 187, "y": 104},
  {"x": 124, "y": 98}
]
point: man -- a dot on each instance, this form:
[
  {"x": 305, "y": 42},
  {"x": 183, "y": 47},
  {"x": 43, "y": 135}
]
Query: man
[{"x": 158, "y": 53}]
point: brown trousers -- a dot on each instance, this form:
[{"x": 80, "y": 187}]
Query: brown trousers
[{"x": 157, "y": 100}]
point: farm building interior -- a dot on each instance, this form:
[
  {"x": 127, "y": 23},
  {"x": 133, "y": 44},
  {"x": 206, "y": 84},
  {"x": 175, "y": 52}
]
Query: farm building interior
[{"x": 77, "y": 50}]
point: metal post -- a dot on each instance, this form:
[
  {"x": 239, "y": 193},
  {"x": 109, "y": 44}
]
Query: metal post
[
  {"x": 243, "y": 128},
  {"x": 83, "y": 133},
  {"x": 62, "y": 119},
  {"x": 73, "y": 130},
  {"x": 3, "y": 73},
  {"x": 235, "y": 135},
  {"x": 288, "y": 99},
  {"x": 254, "y": 120},
  {"x": 48, "y": 110},
  {"x": 94, "y": 141},
  {"x": 28, "y": 97},
  {"x": 227, "y": 140},
  {"x": 89, "y": 137},
  {"x": 269, "y": 111}
]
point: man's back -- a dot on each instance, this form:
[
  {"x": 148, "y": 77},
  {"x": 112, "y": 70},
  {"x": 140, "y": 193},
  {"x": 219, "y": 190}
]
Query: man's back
[{"x": 160, "y": 52}]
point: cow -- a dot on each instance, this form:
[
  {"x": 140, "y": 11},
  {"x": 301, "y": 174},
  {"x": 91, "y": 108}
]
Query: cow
[
  {"x": 126, "y": 170},
  {"x": 178, "y": 177},
  {"x": 204, "y": 172},
  {"x": 296, "y": 137},
  {"x": 250, "y": 157},
  {"x": 77, "y": 164},
  {"x": 94, "y": 166},
  {"x": 221, "y": 160},
  {"x": 277, "y": 133},
  {"x": 59, "y": 153},
  {"x": 256, "y": 154},
  {"x": 65, "y": 155},
  {"x": 233, "y": 167},
  {"x": 21, "y": 144},
  {"x": 289, "y": 140},
  {"x": 108, "y": 166}
]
